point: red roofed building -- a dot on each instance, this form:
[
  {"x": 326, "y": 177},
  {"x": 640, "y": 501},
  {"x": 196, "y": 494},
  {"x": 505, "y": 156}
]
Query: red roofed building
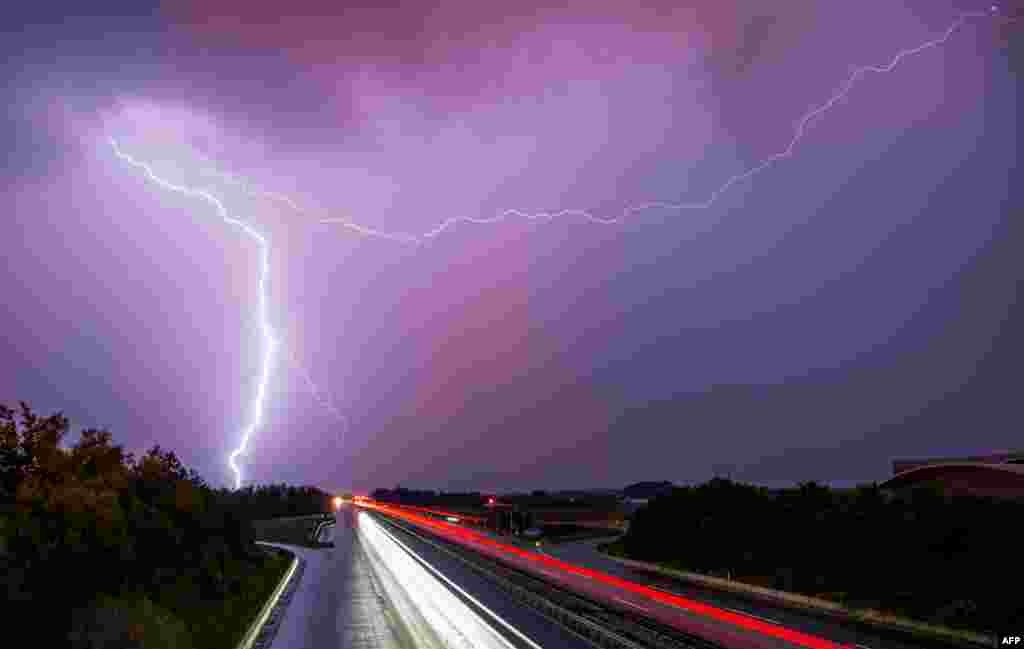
[{"x": 998, "y": 475}]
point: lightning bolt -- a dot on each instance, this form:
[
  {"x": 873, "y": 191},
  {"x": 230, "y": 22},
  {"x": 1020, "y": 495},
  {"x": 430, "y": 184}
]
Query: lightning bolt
[
  {"x": 323, "y": 397},
  {"x": 270, "y": 342},
  {"x": 247, "y": 187},
  {"x": 787, "y": 152}
]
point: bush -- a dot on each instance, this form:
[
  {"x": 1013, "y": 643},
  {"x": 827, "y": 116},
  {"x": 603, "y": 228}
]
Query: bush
[
  {"x": 92, "y": 519},
  {"x": 126, "y": 623},
  {"x": 919, "y": 554}
]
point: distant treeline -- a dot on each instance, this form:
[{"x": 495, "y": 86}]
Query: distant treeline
[
  {"x": 542, "y": 500},
  {"x": 275, "y": 500},
  {"x": 428, "y": 497},
  {"x": 97, "y": 546},
  {"x": 535, "y": 499},
  {"x": 953, "y": 561}
]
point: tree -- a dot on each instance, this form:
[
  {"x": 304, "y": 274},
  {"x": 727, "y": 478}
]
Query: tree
[
  {"x": 922, "y": 553},
  {"x": 28, "y": 448}
]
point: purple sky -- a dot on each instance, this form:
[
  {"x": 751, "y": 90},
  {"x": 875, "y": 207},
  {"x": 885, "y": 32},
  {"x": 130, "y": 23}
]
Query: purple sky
[{"x": 855, "y": 302}]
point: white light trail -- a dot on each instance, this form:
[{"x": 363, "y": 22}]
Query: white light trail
[
  {"x": 448, "y": 616},
  {"x": 270, "y": 343}
]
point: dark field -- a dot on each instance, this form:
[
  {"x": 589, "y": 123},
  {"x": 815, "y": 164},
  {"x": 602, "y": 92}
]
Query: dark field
[
  {"x": 563, "y": 533},
  {"x": 223, "y": 623}
]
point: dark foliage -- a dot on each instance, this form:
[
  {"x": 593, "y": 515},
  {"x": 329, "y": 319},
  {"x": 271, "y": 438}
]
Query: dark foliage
[
  {"x": 109, "y": 623},
  {"x": 86, "y": 526},
  {"x": 262, "y": 502},
  {"x": 952, "y": 561},
  {"x": 428, "y": 498},
  {"x": 541, "y": 501},
  {"x": 476, "y": 500}
]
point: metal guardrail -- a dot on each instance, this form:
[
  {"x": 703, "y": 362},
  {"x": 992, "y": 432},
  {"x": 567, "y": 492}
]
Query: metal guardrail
[
  {"x": 261, "y": 632},
  {"x": 597, "y": 623},
  {"x": 255, "y": 636},
  {"x": 314, "y": 538}
]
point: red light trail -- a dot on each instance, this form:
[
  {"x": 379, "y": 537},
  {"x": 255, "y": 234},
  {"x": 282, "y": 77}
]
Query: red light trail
[{"x": 745, "y": 622}]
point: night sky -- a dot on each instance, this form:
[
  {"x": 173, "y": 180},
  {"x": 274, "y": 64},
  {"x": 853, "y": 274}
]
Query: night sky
[{"x": 858, "y": 301}]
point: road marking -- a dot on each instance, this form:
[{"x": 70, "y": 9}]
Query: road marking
[
  {"x": 863, "y": 646},
  {"x": 622, "y": 601},
  {"x": 756, "y": 617}
]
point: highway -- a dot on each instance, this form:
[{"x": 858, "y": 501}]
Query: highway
[
  {"x": 399, "y": 579},
  {"x": 729, "y": 620},
  {"x": 686, "y": 619},
  {"x": 373, "y": 589}
]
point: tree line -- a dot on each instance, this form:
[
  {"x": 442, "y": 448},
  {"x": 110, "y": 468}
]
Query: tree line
[
  {"x": 98, "y": 544},
  {"x": 428, "y": 497},
  {"x": 474, "y": 499},
  {"x": 261, "y": 502},
  {"x": 942, "y": 559}
]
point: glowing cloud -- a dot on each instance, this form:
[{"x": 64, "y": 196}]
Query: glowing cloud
[{"x": 270, "y": 343}]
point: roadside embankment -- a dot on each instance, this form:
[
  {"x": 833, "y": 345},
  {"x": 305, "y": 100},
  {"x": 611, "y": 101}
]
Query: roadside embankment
[{"x": 817, "y": 605}]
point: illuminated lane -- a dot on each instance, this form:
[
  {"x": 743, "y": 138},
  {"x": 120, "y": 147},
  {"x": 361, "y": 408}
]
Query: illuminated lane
[
  {"x": 341, "y": 601},
  {"x": 374, "y": 590},
  {"x": 730, "y": 628}
]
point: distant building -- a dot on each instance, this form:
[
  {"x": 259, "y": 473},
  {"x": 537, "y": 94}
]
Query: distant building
[
  {"x": 901, "y": 466},
  {"x": 646, "y": 490},
  {"x": 999, "y": 475}
]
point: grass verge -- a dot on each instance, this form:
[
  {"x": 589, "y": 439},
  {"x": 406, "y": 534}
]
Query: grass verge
[
  {"x": 615, "y": 548},
  {"x": 564, "y": 533},
  {"x": 221, "y": 623},
  {"x": 755, "y": 589}
]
